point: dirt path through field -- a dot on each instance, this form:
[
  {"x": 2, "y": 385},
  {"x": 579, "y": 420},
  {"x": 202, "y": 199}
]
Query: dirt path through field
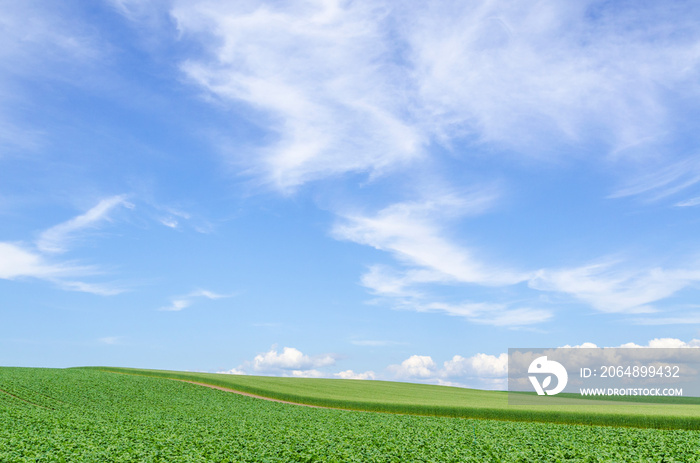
[
  {"x": 225, "y": 389},
  {"x": 251, "y": 395}
]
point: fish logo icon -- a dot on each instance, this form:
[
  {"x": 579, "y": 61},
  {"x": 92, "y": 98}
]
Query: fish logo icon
[{"x": 543, "y": 366}]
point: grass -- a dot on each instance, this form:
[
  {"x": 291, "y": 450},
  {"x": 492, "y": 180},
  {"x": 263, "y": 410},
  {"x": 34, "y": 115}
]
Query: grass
[{"x": 422, "y": 399}]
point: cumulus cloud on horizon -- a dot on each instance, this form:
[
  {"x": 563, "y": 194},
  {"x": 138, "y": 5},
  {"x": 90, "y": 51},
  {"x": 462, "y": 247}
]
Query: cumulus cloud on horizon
[{"x": 491, "y": 371}]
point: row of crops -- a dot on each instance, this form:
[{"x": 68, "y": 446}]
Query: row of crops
[{"x": 88, "y": 415}]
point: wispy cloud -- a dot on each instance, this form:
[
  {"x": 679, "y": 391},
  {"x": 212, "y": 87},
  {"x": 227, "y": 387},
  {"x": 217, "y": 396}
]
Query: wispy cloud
[
  {"x": 489, "y": 313},
  {"x": 17, "y": 260},
  {"x": 366, "y": 86},
  {"x": 39, "y": 39},
  {"x": 176, "y": 305},
  {"x": 689, "y": 202},
  {"x": 174, "y": 218},
  {"x": 691, "y": 318},
  {"x": 609, "y": 288},
  {"x": 414, "y": 234},
  {"x": 664, "y": 180},
  {"x": 100, "y": 289},
  {"x": 320, "y": 70},
  {"x": 182, "y": 302},
  {"x": 110, "y": 340},
  {"x": 57, "y": 238}
]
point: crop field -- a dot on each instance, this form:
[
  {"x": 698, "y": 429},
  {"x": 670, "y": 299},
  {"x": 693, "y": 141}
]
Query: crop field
[
  {"x": 422, "y": 399},
  {"x": 76, "y": 415}
]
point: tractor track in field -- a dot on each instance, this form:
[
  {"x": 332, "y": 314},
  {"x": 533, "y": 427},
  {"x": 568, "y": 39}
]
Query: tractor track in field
[
  {"x": 247, "y": 394},
  {"x": 25, "y": 400}
]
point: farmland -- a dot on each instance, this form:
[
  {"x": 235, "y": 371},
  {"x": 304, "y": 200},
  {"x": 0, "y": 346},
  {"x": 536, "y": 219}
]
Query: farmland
[
  {"x": 97, "y": 416},
  {"x": 422, "y": 399}
]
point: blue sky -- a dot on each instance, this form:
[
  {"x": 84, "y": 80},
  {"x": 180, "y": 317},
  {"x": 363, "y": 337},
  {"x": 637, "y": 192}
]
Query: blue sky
[{"x": 346, "y": 189}]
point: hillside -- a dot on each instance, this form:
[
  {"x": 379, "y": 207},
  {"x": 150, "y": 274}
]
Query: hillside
[{"x": 423, "y": 399}]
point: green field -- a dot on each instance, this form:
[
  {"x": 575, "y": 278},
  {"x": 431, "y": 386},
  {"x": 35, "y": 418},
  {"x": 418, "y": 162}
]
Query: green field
[
  {"x": 422, "y": 399},
  {"x": 88, "y": 415}
]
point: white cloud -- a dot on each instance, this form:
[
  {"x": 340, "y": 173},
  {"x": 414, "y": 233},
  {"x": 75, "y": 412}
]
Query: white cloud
[
  {"x": 412, "y": 232},
  {"x": 17, "y": 262},
  {"x": 403, "y": 295},
  {"x": 137, "y": 10},
  {"x": 665, "y": 180},
  {"x": 176, "y": 305},
  {"x": 92, "y": 288},
  {"x": 365, "y": 86},
  {"x": 483, "y": 371},
  {"x": 349, "y": 374},
  {"x": 321, "y": 73},
  {"x": 480, "y": 370},
  {"x": 289, "y": 359},
  {"x": 307, "y": 374},
  {"x": 42, "y": 29},
  {"x": 57, "y": 238},
  {"x": 689, "y": 319},
  {"x": 490, "y": 314},
  {"x": 182, "y": 302},
  {"x": 291, "y": 362},
  {"x": 612, "y": 290},
  {"x": 208, "y": 294},
  {"x": 169, "y": 222},
  {"x": 479, "y": 365},
  {"x": 110, "y": 340},
  {"x": 491, "y": 371},
  {"x": 520, "y": 73},
  {"x": 232, "y": 371},
  {"x": 416, "y": 366},
  {"x": 585, "y": 345},
  {"x": 172, "y": 218},
  {"x": 666, "y": 343},
  {"x": 689, "y": 202}
]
